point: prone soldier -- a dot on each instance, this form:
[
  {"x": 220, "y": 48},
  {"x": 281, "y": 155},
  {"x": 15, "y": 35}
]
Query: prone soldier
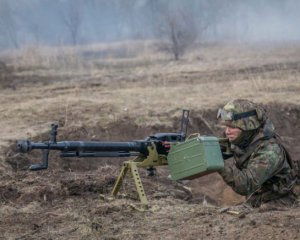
[{"x": 261, "y": 169}]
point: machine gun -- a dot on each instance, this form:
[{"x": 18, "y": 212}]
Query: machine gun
[{"x": 148, "y": 153}]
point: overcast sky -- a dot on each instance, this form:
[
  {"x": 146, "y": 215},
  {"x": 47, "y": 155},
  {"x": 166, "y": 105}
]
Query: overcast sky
[{"x": 59, "y": 22}]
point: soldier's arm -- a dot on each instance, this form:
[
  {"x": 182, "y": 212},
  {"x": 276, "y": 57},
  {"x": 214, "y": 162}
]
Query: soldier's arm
[{"x": 261, "y": 167}]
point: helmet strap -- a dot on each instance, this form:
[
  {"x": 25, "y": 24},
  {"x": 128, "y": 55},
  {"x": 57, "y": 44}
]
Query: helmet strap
[{"x": 237, "y": 116}]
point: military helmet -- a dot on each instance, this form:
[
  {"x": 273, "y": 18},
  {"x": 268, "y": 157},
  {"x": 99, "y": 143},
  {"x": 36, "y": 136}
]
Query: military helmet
[{"x": 243, "y": 114}]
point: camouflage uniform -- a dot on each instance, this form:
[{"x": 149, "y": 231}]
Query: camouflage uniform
[{"x": 260, "y": 168}]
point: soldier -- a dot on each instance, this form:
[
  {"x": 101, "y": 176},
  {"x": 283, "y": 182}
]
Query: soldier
[{"x": 261, "y": 168}]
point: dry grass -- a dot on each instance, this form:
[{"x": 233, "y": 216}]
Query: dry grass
[{"x": 76, "y": 85}]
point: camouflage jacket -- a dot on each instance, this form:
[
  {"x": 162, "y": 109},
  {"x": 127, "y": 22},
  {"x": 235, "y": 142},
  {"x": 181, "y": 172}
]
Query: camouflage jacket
[{"x": 263, "y": 174}]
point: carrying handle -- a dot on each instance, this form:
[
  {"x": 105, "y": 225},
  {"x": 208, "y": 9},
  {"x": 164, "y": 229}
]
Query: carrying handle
[{"x": 193, "y": 135}]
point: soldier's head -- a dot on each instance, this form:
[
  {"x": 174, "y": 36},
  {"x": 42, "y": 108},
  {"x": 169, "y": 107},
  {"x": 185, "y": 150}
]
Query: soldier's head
[{"x": 241, "y": 117}]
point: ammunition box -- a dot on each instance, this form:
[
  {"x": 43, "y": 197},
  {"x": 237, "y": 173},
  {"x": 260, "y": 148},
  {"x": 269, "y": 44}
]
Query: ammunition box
[{"x": 195, "y": 157}]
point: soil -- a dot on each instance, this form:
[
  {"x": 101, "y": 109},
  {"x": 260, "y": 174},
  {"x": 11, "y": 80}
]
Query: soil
[{"x": 71, "y": 200}]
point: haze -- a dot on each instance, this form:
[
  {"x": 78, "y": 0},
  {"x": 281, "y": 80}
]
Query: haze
[{"x": 77, "y": 22}]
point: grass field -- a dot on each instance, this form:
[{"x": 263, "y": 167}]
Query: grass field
[
  {"x": 65, "y": 85},
  {"x": 126, "y": 91}
]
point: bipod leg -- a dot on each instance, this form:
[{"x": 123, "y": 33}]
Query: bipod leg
[
  {"x": 137, "y": 180},
  {"x": 138, "y": 183},
  {"x": 119, "y": 181}
]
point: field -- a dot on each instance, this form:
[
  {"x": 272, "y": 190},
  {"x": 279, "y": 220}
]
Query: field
[{"x": 127, "y": 91}]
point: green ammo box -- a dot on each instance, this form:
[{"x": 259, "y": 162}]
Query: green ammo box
[{"x": 195, "y": 157}]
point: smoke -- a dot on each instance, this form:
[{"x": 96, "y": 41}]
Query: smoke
[
  {"x": 265, "y": 21},
  {"x": 67, "y": 22}
]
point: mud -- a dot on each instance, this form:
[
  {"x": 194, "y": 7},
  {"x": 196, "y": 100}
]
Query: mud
[{"x": 71, "y": 200}]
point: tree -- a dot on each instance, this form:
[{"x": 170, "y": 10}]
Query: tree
[{"x": 178, "y": 32}]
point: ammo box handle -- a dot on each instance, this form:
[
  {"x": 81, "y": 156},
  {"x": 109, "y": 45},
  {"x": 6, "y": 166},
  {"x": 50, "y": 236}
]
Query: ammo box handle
[{"x": 193, "y": 135}]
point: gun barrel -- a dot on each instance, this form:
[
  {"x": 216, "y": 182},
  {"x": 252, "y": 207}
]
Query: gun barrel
[
  {"x": 98, "y": 154},
  {"x": 85, "y": 146}
]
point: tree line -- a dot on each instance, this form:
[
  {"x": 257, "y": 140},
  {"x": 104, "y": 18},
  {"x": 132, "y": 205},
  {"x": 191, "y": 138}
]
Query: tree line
[{"x": 176, "y": 23}]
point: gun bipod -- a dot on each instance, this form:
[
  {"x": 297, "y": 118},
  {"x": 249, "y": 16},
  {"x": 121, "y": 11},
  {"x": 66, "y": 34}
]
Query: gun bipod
[
  {"x": 132, "y": 166},
  {"x": 153, "y": 159}
]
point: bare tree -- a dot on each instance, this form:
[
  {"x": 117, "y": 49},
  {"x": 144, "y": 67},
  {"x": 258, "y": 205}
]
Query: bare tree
[
  {"x": 7, "y": 24},
  {"x": 178, "y": 32},
  {"x": 72, "y": 18}
]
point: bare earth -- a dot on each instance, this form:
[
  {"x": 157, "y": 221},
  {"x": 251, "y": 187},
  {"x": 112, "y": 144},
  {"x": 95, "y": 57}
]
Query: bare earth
[{"x": 128, "y": 99}]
